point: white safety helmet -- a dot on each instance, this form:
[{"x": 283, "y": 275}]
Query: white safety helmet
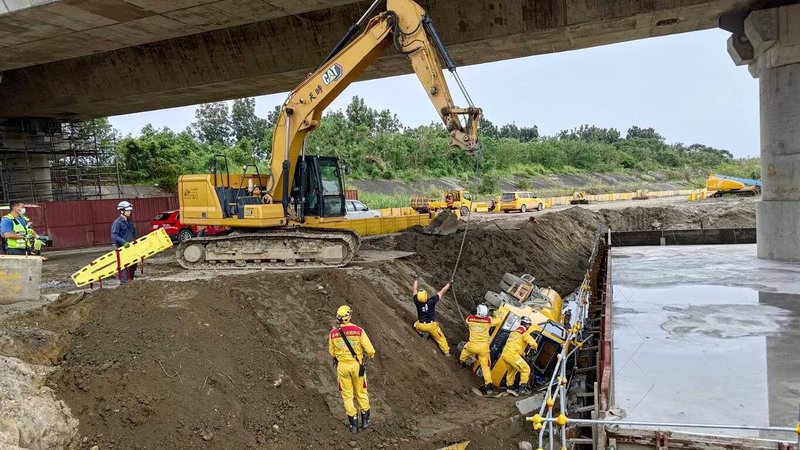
[
  {"x": 482, "y": 310},
  {"x": 124, "y": 206}
]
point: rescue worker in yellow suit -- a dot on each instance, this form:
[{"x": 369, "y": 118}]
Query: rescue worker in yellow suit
[
  {"x": 426, "y": 314},
  {"x": 479, "y": 325},
  {"x": 349, "y": 360},
  {"x": 513, "y": 353}
]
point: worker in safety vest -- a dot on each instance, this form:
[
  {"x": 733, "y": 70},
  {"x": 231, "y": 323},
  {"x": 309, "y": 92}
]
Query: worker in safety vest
[
  {"x": 14, "y": 228},
  {"x": 123, "y": 231},
  {"x": 426, "y": 314},
  {"x": 479, "y": 325},
  {"x": 347, "y": 344},
  {"x": 513, "y": 353}
]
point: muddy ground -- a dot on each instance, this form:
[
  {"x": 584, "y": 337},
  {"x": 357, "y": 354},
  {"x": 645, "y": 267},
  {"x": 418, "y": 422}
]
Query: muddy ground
[{"x": 212, "y": 360}]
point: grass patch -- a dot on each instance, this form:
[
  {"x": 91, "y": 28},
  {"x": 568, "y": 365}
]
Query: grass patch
[{"x": 377, "y": 201}]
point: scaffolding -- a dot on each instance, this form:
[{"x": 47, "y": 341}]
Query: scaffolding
[{"x": 47, "y": 160}]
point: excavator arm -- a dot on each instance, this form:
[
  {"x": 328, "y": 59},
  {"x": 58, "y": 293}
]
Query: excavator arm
[
  {"x": 296, "y": 215},
  {"x": 405, "y": 25}
]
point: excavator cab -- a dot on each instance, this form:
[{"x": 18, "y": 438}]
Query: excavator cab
[{"x": 321, "y": 184}]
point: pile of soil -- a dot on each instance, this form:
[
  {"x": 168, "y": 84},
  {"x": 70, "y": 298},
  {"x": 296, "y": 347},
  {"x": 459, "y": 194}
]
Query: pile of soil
[
  {"x": 555, "y": 249},
  {"x": 722, "y": 213},
  {"x": 242, "y": 362}
]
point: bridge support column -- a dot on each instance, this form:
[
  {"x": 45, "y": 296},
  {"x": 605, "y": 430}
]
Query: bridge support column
[
  {"x": 770, "y": 47},
  {"x": 24, "y": 163}
]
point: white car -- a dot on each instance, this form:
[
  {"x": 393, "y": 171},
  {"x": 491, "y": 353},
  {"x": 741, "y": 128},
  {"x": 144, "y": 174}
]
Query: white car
[{"x": 357, "y": 210}]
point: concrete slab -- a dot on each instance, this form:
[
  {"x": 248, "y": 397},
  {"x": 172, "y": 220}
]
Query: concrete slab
[
  {"x": 530, "y": 404},
  {"x": 20, "y": 278},
  {"x": 706, "y": 334}
]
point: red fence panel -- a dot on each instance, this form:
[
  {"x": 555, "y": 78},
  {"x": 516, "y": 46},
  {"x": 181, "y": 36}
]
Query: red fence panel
[
  {"x": 351, "y": 194},
  {"x": 87, "y": 223}
]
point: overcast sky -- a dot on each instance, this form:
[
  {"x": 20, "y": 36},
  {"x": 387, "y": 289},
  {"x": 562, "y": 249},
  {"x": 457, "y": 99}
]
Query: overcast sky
[{"x": 685, "y": 86}]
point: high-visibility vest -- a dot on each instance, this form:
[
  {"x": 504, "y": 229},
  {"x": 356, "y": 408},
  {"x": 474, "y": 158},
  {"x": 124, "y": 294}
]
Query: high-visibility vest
[{"x": 19, "y": 229}]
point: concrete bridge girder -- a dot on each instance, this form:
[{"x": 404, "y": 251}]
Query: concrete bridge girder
[{"x": 274, "y": 55}]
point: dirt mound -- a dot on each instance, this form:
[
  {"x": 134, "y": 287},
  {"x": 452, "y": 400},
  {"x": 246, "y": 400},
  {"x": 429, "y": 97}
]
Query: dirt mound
[
  {"x": 31, "y": 415},
  {"x": 554, "y": 249},
  {"x": 723, "y": 213},
  {"x": 242, "y": 361}
]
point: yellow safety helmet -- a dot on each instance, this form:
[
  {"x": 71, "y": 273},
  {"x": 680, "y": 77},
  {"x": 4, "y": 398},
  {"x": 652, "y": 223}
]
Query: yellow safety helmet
[
  {"x": 344, "y": 313},
  {"x": 422, "y": 296}
]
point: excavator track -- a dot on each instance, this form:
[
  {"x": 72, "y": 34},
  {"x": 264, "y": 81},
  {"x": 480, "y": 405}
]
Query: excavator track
[{"x": 299, "y": 248}]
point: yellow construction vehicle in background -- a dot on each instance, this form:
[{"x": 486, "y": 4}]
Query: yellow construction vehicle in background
[
  {"x": 461, "y": 201},
  {"x": 579, "y": 198},
  {"x": 294, "y": 216},
  {"x": 719, "y": 185}
]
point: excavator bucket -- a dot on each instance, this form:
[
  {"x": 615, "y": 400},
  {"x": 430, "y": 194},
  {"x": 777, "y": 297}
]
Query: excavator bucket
[{"x": 443, "y": 224}]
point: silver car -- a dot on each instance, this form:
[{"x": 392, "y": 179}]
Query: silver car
[{"x": 357, "y": 210}]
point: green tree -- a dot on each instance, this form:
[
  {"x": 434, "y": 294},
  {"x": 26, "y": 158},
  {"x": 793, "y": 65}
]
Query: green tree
[
  {"x": 359, "y": 114},
  {"x": 212, "y": 123},
  {"x": 486, "y": 129},
  {"x": 528, "y": 134},
  {"x": 245, "y": 124},
  {"x": 272, "y": 116},
  {"x": 643, "y": 133},
  {"x": 591, "y": 133}
]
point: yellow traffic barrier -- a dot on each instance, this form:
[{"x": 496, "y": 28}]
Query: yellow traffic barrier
[
  {"x": 112, "y": 262},
  {"x": 458, "y": 446}
]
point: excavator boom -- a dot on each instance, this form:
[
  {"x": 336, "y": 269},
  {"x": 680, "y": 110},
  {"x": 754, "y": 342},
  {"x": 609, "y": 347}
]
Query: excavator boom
[{"x": 295, "y": 215}]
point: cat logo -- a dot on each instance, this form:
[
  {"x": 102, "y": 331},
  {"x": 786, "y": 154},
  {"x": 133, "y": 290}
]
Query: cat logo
[{"x": 332, "y": 74}]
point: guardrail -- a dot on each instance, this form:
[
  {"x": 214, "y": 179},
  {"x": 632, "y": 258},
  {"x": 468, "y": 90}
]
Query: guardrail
[{"x": 555, "y": 201}]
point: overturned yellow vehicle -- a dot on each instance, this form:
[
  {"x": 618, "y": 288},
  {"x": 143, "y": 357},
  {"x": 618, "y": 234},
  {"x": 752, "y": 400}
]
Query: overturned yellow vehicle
[{"x": 519, "y": 297}]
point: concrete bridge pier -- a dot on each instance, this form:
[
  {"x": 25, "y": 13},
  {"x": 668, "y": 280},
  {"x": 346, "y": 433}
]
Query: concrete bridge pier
[{"x": 770, "y": 46}]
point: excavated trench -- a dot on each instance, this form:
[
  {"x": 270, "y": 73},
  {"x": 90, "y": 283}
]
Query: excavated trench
[{"x": 241, "y": 361}]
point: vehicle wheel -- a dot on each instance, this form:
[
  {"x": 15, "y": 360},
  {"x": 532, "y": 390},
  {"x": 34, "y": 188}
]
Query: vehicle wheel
[
  {"x": 184, "y": 235},
  {"x": 540, "y": 207},
  {"x": 524, "y": 209},
  {"x": 464, "y": 211},
  {"x": 505, "y": 211}
]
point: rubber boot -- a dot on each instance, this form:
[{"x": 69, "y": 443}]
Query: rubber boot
[
  {"x": 488, "y": 389},
  {"x": 353, "y": 423},
  {"x": 523, "y": 389},
  {"x": 365, "y": 419}
]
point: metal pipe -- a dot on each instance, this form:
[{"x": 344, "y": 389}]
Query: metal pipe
[
  {"x": 463, "y": 89},
  {"x": 285, "y": 199},
  {"x": 676, "y": 425},
  {"x": 351, "y": 33},
  {"x": 369, "y": 11},
  {"x": 302, "y": 203},
  {"x": 563, "y": 388}
]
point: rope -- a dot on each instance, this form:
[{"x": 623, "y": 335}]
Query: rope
[
  {"x": 458, "y": 260},
  {"x": 464, "y": 237}
]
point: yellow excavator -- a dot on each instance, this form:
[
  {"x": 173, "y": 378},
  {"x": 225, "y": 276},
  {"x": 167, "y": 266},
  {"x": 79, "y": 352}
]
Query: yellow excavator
[{"x": 295, "y": 215}]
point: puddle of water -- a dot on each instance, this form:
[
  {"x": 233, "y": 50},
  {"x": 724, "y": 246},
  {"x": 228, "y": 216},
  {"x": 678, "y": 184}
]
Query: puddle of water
[{"x": 703, "y": 343}]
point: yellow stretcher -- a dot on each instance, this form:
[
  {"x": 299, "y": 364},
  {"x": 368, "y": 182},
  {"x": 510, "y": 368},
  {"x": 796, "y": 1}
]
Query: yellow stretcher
[{"x": 112, "y": 262}]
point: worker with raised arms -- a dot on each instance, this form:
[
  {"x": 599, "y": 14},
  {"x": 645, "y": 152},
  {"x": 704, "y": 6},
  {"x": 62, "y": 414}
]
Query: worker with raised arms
[{"x": 426, "y": 314}]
